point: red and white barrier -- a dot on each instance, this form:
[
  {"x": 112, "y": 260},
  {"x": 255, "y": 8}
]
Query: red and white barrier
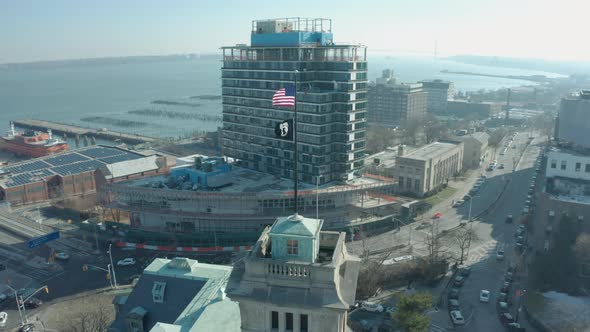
[{"x": 182, "y": 249}]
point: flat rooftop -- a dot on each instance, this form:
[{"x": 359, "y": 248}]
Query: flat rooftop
[
  {"x": 64, "y": 164},
  {"x": 245, "y": 180},
  {"x": 431, "y": 150}
]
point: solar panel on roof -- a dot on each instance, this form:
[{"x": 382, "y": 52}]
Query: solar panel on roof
[
  {"x": 26, "y": 178},
  {"x": 76, "y": 168},
  {"x": 101, "y": 152},
  {"x": 119, "y": 158},
  {"x": 65, "y": 159},
  {"x": 27, "y": 167}
]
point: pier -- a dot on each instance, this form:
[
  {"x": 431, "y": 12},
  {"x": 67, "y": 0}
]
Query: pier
[{"x": 73, "y": 131}]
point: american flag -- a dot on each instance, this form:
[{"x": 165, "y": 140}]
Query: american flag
[{"x": 284, "y": 97}]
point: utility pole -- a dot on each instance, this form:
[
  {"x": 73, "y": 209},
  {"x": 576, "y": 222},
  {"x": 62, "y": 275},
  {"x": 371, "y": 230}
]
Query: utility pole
[
  {"x": 112, "y": 265},
  {"x": 22, "y": 322}
]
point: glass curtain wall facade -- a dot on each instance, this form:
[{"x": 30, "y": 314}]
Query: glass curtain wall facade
[{"x": 331, "y": 104}]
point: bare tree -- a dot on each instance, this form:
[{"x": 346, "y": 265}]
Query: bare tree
[
  {"x": 93, "y": 313},
  {"x": 434, "y": 129},
  {"x": 412, "y": 129},
  {"x": 495, "y": 139},
  {"x": 463, "y": 238},
  {"x": 96, "y": 320},
  {"x": 436, "y": 259},
  {"x": 379, "y": 138}
]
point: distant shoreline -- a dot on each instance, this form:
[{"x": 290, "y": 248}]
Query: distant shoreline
[
  {"x": 532, "y": 78},
  {"x": 108, "y": 60}
]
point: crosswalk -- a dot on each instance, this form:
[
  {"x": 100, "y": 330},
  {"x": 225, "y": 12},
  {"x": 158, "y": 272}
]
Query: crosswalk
[
  {"x": 37, "y": 274},
  {"x": 485, "y": 251},
  {"x": 436, "y": 328}
]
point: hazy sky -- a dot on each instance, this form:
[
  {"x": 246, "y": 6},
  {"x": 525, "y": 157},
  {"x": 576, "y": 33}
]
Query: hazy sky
[{"x": 65, "y": 29}]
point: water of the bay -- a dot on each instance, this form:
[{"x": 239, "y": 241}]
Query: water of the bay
[{"x": 102, "y": 96}]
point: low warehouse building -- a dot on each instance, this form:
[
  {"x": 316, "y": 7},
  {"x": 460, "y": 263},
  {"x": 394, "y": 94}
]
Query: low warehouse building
[{"x": 74, "y": 173}]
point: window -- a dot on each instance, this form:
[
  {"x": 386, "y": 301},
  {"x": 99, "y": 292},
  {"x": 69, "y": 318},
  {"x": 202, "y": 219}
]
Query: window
[
  {"x": 587, "y": 168},
  {"x": 553, "y": 163},
  {"x": 563, "y": 165},
  {"x": 401, "y": 182},
  {"x": 274, "y": 320},
  {"x": 416, "y": 185},
  {"x": 578, "y": 166},
  {"x": 293, "y": 247},
  {"x": 289, "y": 321},
  {"x": 303, "y": 322}
]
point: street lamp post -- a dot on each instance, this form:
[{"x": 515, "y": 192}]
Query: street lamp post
[
  {"x": 470, "y": 202},
  {"x": 110, "y": 279},
  {"x": 25, "y": 300},
  {"x": 17, "y": 305},
  {"x": 112, "y": 265},
  {"x": 400, "y": 222}
]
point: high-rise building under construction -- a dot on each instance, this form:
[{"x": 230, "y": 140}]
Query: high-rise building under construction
[{"x": 331, "y": 95}]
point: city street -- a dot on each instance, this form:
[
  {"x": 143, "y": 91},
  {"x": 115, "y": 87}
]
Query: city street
[{"x": 503, "y": 193}]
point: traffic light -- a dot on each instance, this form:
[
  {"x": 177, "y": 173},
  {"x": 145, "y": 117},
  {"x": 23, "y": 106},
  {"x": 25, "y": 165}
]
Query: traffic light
[{"x": 85, "y": 268}]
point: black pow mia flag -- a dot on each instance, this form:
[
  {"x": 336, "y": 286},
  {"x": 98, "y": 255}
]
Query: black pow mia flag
[{"x": 284, "y": 130}]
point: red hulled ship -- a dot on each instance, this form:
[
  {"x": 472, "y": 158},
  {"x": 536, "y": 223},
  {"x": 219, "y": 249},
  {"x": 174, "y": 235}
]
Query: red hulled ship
[{"x": 32, "y": 143}]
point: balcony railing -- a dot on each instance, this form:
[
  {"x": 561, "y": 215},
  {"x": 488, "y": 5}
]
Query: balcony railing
[{"x": 289, "y": 270}]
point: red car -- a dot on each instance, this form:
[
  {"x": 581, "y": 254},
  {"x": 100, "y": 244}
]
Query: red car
[{"x": 437, "y": 215}]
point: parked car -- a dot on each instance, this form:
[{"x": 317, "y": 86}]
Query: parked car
[
  {"x": 453, "y": 293},
  {"x": 3, "y": 297},
  {"x": 371, "y": 307},
  {"x": 503, "y": 307},
  {"x": 506, "y": 318},
  {"x": 465, "y": 272},
  {"x": 28, "y": 328},
  {"x": 501, "y": 166},
  {"x": 437, "y": 215},
  {"x": 132, "y": 279},
  {"x": 466, "y": 198},
  {"x": 33, "y": 302},
  {"x": 3, "y": 318},
  {"x": 505, "y": 287},
  {"x": 512, "y": 267},
  {"x": 500, "y": 255},
  {"x": 508, "y": 276},
  {"x": 515, "y": 327},
  {"x": 458, "y": 203},
  {"x": 458, "y": 282},
  {"x": 509, "y": 219},
  {"x": 484, "y": 296},
  {"x": 454, "y": 304},
  {"x": 126, "y": 262},
  {"x": 503, "y": 297},
  {"x": 457, "y": 317},
  {"x": 62, "y": 256}
]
